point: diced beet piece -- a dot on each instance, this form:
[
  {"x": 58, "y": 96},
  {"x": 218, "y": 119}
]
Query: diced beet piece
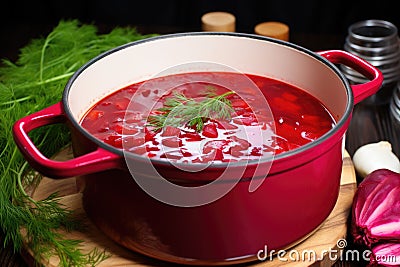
[
  {"x": 248, "y": 119},
  {"x": 256, "y": 151},
  {"x": 242, "y": 143},
  {"x": 172, "y": 142},
  {"x": 210, "y": 130},
  {"x": 186, "y": 153},
  {"x": 151, "y": 155},
  {"x": 236, "y": 151},
  {"x": 226, "y": 125},
  {"x": 171, "y": 155},
  {"x": 170, "y": 131},
  {"x": 130, "y": 130},
  {"x": 149, "y": 134},
  {"x": 191, "y": 136},
  {"x": 152, "y": 148}
]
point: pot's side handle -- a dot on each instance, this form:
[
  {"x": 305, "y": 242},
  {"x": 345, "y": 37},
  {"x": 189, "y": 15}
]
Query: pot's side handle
[
  {"x": 98, "y": 160},
  {"x": 360, "y": 91}
]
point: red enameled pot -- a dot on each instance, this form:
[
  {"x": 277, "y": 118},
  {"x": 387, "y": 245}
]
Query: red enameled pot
[{"x": 296, "y": 190}]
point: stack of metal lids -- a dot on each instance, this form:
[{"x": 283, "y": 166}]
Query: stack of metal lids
[{"x": 377, "y": 42}]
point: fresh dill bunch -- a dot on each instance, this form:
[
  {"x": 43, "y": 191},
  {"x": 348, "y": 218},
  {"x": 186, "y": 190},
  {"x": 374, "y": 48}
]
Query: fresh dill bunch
[
  {"x": 180, "y": 110},
  {"x": 35, "y": 81}
]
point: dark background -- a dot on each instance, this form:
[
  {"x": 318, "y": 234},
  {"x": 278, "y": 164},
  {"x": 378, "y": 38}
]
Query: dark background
[
  {"x": 22, "y": 20},
  {"x": 314, "y": 24}
]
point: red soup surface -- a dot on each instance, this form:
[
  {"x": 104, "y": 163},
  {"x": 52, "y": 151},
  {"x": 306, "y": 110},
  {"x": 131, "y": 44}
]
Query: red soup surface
[{"x": 208, "y": 116}]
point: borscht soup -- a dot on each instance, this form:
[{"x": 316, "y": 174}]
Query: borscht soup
[{"x": 204, "y": 117}]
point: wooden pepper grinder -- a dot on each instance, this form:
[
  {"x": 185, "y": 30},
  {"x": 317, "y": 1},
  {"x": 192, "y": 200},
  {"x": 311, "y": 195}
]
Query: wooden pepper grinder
[
  {"x": 274, "y": 29},
  {"x": 218, "y": 22}
]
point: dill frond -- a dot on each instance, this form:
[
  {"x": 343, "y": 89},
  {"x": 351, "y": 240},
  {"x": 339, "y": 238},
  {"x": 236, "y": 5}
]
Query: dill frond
[
  {"x": 35, "y": 81},
  {"x": 180, "y": 110}
]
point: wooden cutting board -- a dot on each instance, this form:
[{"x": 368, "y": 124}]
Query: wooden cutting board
[{"x": 330, "y": 236}]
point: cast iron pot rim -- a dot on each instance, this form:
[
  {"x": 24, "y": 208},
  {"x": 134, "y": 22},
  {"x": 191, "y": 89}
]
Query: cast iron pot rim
[{"x": 288, "y": 154}]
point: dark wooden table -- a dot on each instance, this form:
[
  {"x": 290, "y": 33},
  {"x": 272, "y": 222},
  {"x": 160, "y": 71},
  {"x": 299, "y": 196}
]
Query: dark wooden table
[{"x": 377, "y": 115}]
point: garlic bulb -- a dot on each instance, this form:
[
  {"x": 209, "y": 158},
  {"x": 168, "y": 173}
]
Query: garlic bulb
[{"x": 375, "y": 156}]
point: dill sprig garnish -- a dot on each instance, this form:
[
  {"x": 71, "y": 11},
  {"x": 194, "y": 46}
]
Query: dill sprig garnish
[
  {"x": 35, "y": 81},
  {"x": 179, "y": 110}
]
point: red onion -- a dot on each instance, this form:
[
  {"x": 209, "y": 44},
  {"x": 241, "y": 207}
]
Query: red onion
[{"x": 376, "y": 216}]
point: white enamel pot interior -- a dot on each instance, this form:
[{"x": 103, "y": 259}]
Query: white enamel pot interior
[{"x": 245, "y": 53}]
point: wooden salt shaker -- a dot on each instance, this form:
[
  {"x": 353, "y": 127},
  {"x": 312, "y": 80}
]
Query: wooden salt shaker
[
  {"x": 273, "y": 29},
  {"x": 218, "y": 22}
]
